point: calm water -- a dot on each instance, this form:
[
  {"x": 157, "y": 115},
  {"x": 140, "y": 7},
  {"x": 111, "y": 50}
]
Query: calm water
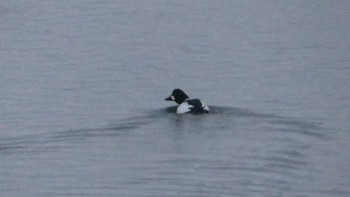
[{"x": 83, "y": 85}]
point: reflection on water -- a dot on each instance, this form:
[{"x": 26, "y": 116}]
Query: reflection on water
[
  {"x": 246, "y": 152},
  {"x": 219, "y": 118}
]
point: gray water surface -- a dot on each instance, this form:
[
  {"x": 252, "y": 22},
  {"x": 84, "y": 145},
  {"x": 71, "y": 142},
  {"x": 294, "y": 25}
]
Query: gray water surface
[{"x": 83, "y": 85}]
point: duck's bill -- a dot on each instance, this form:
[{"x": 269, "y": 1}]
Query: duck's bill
[{"x": 168, "y": 98}]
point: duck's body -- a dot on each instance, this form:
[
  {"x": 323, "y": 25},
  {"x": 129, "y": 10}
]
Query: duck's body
[{"x": 187, "y": 105}]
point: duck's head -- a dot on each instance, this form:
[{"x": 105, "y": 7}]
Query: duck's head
[{"x": 178, "y": 96}]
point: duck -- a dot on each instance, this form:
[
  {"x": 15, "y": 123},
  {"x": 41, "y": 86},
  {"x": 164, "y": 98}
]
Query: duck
[{"x": 187, "y": 105}]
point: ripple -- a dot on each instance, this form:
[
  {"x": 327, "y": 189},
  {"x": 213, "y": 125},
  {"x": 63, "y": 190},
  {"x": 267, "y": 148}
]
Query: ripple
[{"x": 220, "y": 118}]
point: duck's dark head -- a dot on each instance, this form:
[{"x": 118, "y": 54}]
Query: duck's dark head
[{"x": 178, "y": 96}]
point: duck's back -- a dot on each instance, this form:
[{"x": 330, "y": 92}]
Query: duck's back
[{"x": 193, "y": 106}]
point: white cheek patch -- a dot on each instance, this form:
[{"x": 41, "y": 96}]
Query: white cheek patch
[{"x": 172, "y": 98}]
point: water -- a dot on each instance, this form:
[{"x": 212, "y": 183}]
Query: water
[{"x": 83, "y": 86}]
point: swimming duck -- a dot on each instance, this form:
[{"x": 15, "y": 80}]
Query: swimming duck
[{"x": 187, "y": 105}]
